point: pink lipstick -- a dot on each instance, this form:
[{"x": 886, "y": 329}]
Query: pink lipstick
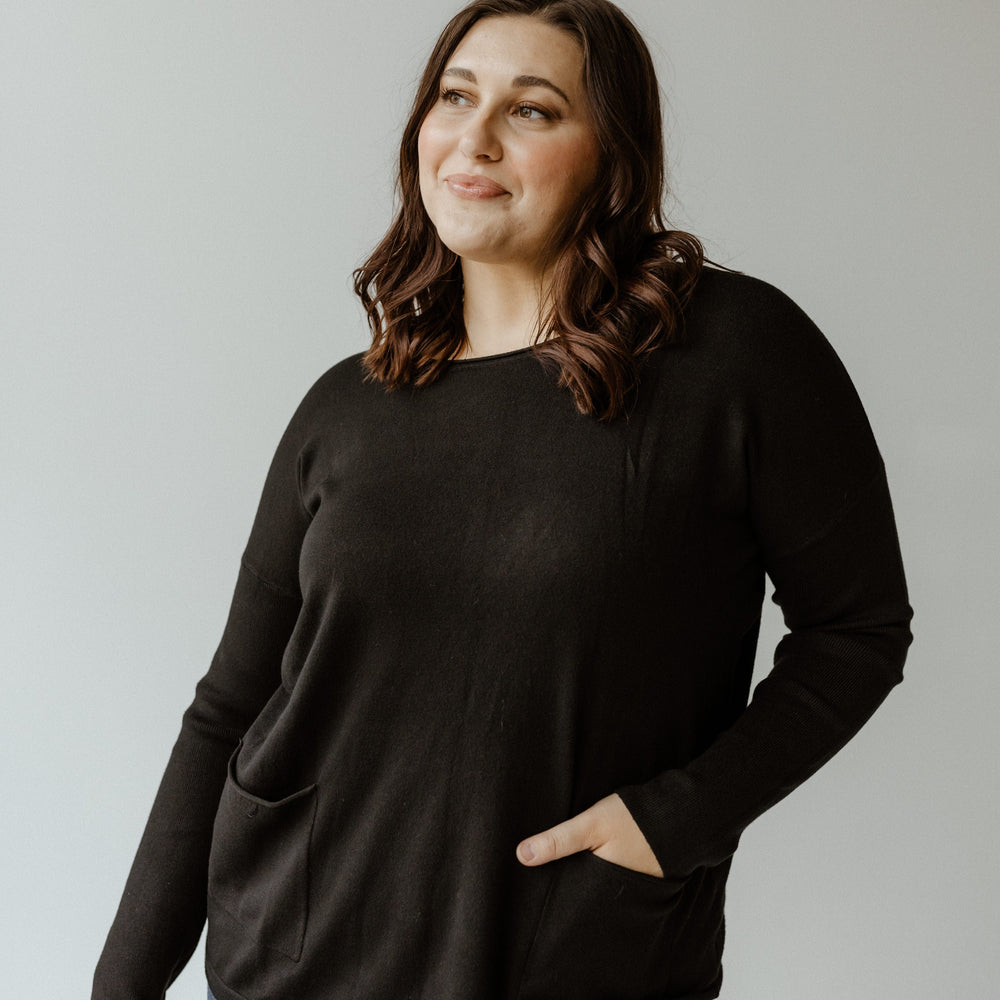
[{"x": 474, "y": 186}]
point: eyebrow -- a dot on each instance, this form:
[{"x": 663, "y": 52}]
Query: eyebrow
[{"x": 518, "y": 81}]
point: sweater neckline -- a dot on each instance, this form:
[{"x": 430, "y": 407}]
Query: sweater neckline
[{"x": 488, "y": 358}]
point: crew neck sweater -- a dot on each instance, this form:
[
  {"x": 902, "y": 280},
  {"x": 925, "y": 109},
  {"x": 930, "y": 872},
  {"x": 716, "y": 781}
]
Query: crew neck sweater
[{"x": 465, "y": 613}]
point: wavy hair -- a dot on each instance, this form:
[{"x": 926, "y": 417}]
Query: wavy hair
[{"x": 620, "y": 278}]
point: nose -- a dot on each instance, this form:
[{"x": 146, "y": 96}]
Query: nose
[{"x": 479, "y": 140}]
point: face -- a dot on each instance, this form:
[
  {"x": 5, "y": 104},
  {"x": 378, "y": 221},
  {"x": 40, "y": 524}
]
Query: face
[{"x": 507, "y": 150}]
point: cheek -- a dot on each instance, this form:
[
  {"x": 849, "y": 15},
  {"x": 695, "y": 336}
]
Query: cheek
[
  {"x": 564, "y": 173},
  {"x": 426, "y": 164},
  {"x": 431, "y": 145},
  {"x": 423, "y": 151}
]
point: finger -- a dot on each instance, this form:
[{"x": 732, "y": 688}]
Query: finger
[
  {"x": 629, "y": 847},
  {"x": 569, "y": 837}
]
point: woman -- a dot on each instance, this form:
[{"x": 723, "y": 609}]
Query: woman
[{"x": 483, "y": 688}]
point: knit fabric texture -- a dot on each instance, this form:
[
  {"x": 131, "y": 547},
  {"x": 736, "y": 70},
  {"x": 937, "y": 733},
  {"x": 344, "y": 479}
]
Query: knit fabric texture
[{"x": 467, "y": 612}]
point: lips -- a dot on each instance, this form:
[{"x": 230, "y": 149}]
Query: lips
[{"x": 474, "y": 186}]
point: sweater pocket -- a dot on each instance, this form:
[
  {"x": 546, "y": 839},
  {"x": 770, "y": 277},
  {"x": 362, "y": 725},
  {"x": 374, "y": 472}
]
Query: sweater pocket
[
  {"x": 605, "y": 934},
  {"x": 258, "y": 869}
]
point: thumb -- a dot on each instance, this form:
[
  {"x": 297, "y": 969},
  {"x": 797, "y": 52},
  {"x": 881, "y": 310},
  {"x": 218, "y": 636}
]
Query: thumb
[{"x": 573, "y": 835}]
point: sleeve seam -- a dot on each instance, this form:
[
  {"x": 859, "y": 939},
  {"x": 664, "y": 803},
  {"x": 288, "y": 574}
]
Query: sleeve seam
[
  {"x": 279, "y": 590},
  {"x": 832, "y": 523},
  {"x": 298, "y": 488}
]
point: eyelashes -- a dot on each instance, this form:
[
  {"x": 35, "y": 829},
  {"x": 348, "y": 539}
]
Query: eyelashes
[{"x": 523, "y": 110}]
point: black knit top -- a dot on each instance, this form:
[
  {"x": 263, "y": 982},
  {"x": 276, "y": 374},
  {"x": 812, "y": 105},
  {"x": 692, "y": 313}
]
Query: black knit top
[{"x": 465, "y": 613}]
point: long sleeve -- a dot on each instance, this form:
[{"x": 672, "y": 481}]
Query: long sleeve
[
  {"x": 465, "y": 612},
  {"x": 162, "y": 911},
  {"x": 819, "y": 507}
]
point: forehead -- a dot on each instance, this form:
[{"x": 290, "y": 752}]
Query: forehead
[{"x": 521, "y": 45}]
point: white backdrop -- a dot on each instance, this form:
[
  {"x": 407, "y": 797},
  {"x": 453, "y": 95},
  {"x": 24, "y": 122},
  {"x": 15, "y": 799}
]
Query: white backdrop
[{"x": 184, "y": 189}]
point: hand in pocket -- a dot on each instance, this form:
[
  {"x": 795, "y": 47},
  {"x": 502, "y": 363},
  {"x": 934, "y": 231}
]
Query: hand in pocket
[{"x": 606, "y": 829}]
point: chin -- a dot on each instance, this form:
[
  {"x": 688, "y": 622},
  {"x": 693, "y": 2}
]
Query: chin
[{"x": 470, "y": 247}]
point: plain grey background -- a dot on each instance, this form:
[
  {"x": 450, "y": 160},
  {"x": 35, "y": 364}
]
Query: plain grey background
[{"x": 184, "y": 189}]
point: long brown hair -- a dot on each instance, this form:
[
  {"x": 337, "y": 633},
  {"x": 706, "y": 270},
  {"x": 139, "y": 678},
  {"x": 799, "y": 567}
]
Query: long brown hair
[{"x": 620, "y": 278}]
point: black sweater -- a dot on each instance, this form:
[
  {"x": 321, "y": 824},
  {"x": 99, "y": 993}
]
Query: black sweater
[{"x": 467, "y": 612}]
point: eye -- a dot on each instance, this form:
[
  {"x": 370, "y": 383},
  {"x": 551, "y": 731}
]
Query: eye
[
  {"x": 531, "y": 113},
  {"x": 453, "y": 97}
]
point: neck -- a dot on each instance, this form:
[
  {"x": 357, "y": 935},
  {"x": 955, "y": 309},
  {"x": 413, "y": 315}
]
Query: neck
[{"x": 503, "y": 308}]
